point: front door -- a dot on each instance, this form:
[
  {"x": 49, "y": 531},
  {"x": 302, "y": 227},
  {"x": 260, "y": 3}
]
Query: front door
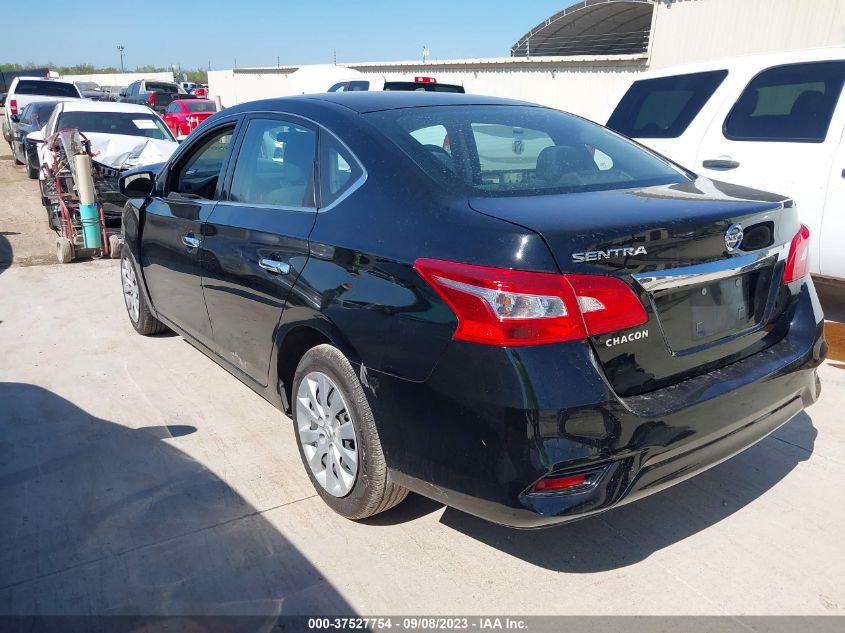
[
  {"x": 256, "y": 241},
  {"x": 172, "y": 237}
]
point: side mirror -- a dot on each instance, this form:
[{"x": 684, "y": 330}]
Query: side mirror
[
  {"x": 36, "y": 137},
  {"x": 14, "y": 118},
  {"x": 137, "y": 185}
]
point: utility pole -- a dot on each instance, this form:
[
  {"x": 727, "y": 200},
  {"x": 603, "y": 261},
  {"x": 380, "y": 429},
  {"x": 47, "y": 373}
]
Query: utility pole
[
  {"x": 424, "y": 53},
  {"x": 120, "y": 47}
]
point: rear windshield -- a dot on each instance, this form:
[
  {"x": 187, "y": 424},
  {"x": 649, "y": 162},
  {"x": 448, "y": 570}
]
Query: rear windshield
[
  {"x": 156, "y": 87},
  {"x": 664, "y": 107},
  {"x": 200, "y": 106},
  {"x": 520, "y": 150},
  {"x": 46, "y": 88},
  {"x": 413, "y": 85},
  {"x": 126, "y": 123}
]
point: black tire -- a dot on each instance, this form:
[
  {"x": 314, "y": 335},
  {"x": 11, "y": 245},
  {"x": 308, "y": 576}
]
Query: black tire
[
  {"x": 15, "y": 156},
  {"x": 145, "y": 323},
  {"x": 31, "y": 172},
  {"x": 373, "y": 491}
]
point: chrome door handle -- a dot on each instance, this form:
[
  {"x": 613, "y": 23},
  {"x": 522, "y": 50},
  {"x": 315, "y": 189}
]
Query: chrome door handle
[
  {"x": 274, "y": 266},
  {"x": 190, "y": 242}
]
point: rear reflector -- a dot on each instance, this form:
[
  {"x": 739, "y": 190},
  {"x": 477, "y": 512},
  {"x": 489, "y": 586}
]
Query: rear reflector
[
  {"x": 503, "y": 307},
  {"x": 425, "y": 80},
  {"x": 551, "y": 484},
  {"x": 799, "y": 256}
]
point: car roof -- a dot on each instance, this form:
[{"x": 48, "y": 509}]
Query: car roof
[
  {"x": 85, "y": 105},
  {"x": 748, "y": 63},
  {"x": 374, "y": 101},
  {"x": 50, "y": 79}
]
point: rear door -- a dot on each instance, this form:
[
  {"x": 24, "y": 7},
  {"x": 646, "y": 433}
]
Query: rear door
[
  {"x": 781, "y": 134},
  {"x": 256, "y": 240},
  {"x": 172, "y": 240}
]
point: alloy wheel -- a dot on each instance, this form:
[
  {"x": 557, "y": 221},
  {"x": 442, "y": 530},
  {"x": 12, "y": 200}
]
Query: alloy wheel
[{"x": 130, "y": 289}]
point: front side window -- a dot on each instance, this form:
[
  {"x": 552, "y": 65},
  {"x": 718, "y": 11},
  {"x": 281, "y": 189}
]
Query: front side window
[
  {"x": 787, "y": 103},
  {"x": 198, "y": 173},
  {"x": 275, "y": 165},
  {"x": 520, "y": 150},
  {"x": 664, "y": 107}
]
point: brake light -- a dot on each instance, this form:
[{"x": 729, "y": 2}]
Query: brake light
[
  {"x": 496, "y": 306},
  {"x": 152, "y": 99},
  {"x": 425, "y": 80},
  {"x": 799, "y": 256},
  {"x": 13, "y": 106}
]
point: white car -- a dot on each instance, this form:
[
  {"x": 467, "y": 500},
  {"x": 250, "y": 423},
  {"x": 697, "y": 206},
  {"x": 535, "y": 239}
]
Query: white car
[
  {"x": 25, "y": 90},
  {"x": 122, "y": 136},
  {"x": 771, "y": 121}
]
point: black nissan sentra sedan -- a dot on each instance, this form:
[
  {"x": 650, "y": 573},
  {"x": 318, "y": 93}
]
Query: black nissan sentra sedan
[{"x": 494, "y": 304}]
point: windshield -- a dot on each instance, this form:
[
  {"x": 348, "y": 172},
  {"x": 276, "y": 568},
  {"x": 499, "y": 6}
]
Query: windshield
[
  {"x": 46, "y": 88},
  {"x": 126, "y": 123},
  {"x": 87, "y": 85},
  {"x": 520, "y": 150},
  {"x": 200, "y": 106}
]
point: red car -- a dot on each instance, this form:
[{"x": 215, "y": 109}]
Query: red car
[{"x": 183, "y": 115}]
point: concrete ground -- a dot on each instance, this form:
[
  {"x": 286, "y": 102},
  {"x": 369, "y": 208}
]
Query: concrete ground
[{"x": 138, "y": 477}]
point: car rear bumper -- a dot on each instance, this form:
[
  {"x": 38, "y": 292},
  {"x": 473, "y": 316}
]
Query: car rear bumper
[{"x": 489, "y": 422}]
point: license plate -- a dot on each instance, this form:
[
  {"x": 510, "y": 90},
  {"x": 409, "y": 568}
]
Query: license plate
[{"x": 721, "y": 308}]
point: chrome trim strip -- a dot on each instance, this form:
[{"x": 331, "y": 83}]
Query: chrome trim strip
[{"x": 711, "y": 271}]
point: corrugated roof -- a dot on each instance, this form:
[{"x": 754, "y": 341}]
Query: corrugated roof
[{"x": 591, "y": 27}]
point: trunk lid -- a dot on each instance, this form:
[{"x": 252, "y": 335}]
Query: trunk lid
[{"x": 707, "y": 304}]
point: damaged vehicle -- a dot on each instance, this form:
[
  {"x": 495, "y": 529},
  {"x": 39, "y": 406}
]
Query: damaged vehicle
[
  {"x": 121, "y": 136},
  {"x": 540, "y": 321}
]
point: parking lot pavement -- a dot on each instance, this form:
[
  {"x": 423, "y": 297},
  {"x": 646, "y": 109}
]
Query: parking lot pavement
[{"x": 138, "y": 477}]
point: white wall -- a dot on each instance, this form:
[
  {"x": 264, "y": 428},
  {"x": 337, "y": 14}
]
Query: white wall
[
  {"x": 584, "y": 87},
  {"x": 693, "y": 30},
  {"x": 119, "y": 79}
]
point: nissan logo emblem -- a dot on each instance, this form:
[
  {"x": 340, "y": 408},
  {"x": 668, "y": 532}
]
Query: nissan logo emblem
[{"x": 733, "y": 237}]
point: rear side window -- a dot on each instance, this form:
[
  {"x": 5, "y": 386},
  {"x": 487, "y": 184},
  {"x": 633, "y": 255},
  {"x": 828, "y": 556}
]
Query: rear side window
[
  {"x": 664, "y": 107},
  {"x": 338, "y": 170},
  {"x": 46, "y": 88},
  {"x": 275, "y": 165},
  {"x": 787, "y": 103}
]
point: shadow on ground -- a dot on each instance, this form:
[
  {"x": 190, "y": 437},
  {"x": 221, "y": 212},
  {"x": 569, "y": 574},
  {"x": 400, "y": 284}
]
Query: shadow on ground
[
  {"x": 6, "y": 253},
  {"x": 100, "y": 519},
  {"x": 631, "y": 533}
]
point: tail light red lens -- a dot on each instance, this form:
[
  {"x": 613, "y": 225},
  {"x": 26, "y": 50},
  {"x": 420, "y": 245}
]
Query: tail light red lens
[
  {"x": 799, "y": 256},
  {"x": 13, "y": 106},
  {"x": 505, "y": 307},
  {"x": 152, "y": 99}
]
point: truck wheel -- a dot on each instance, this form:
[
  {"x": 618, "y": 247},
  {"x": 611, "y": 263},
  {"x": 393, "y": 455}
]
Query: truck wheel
[
  {"x": 15, "y": 156},
  {"x": 338, "y": 441},
  {"x": 139, "y": 312},
  {"x": 64, "y": 250}
]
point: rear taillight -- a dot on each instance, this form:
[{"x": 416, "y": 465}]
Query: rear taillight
[
  {"x": 497, "y": 306},
  {"x": 799, "y": 256},
  {"x": 152, "y": 99},
  {"x": 13, "y": 106}
]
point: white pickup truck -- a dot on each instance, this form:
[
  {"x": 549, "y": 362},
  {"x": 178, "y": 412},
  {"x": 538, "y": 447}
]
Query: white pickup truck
[{"x": 771, "y": 121}]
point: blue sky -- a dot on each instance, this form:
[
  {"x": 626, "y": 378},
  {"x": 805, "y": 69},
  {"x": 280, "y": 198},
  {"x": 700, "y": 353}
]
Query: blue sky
[{"x": 255, "y": 32}]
